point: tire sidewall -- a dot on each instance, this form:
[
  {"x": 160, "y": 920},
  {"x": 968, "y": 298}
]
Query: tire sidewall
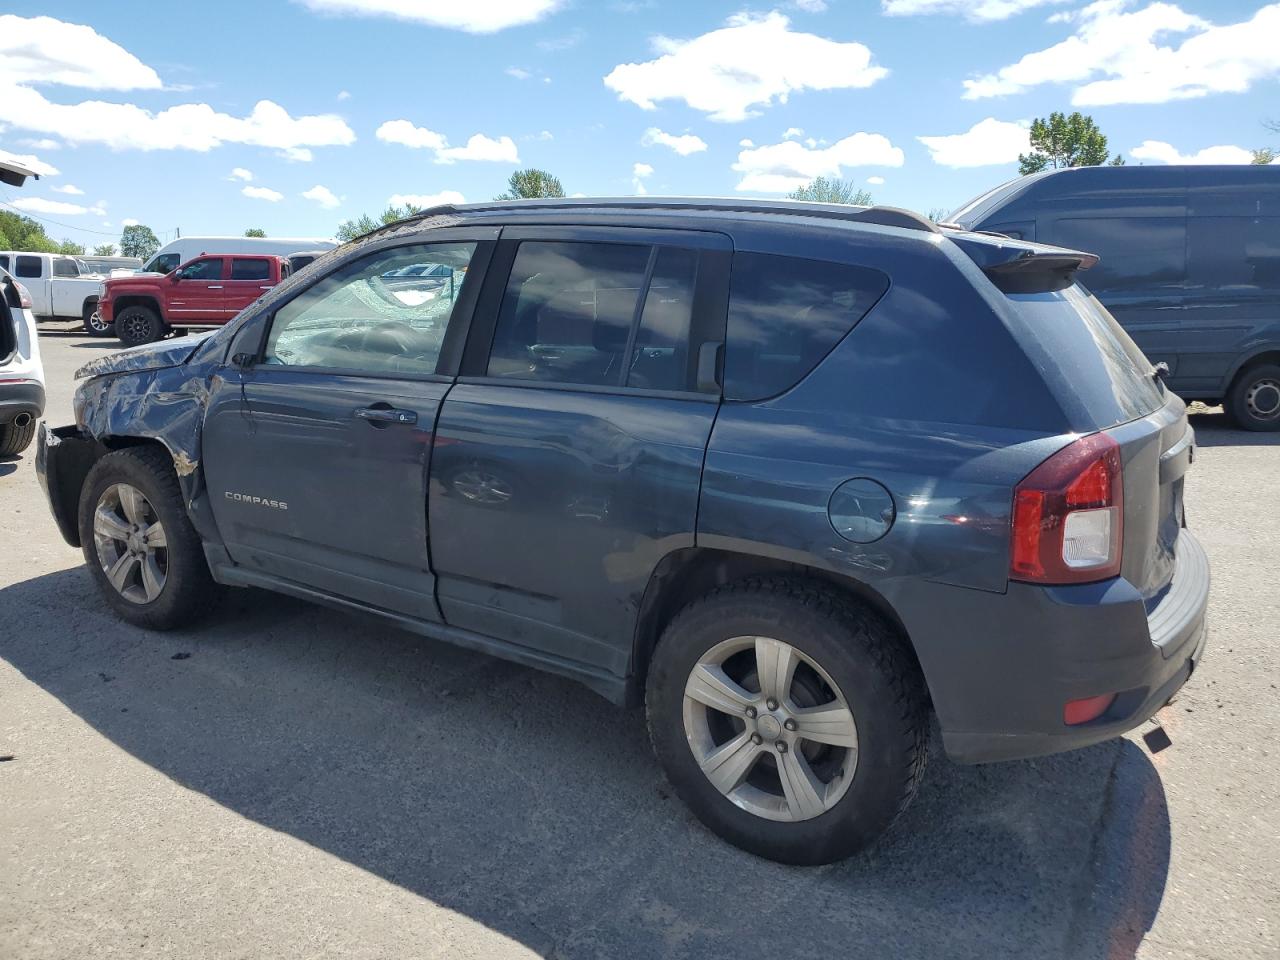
[
  {"x": 1238, "y": 406},
  {"x": 874, "y": 798}
]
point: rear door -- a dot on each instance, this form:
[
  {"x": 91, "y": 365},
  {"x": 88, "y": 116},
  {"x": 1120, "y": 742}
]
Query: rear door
[
  {"x": 250, "y": 278},
  {"x": 568, "y": 456},
  {"x": 316, "y": 455},
  {"x": 198, "y": 292}
]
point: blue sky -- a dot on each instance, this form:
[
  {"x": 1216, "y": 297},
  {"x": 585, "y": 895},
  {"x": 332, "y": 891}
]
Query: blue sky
[{"x": 157, "y": 115}]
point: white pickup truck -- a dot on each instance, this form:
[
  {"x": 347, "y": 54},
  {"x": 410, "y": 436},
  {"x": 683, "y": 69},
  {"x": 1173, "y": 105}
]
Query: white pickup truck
[{"x": 61, "y": 287}]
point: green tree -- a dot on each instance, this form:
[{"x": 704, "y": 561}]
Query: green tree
[
  {"x": 1063, "y": 141},
  {"x": 835, "y": 190},
  {"x": 72, "y": 248},
  {"x": 138, "y": 240},
  {"x": 1263, "y": 155},
  {"x": 255, "y": 232},
  {"x": 531, "y": 184},
  {"x": 350, "y": 229},
  {"x": 105, "y": 250},
  {"x": 22, "y": 233}
]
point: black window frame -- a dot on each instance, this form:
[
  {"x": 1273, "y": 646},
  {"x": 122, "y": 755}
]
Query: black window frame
[
  {"x": 710, "y": 303},
  {"x": 20, "y": 259}
]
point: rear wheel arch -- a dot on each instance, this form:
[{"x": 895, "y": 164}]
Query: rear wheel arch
[{"x": 686, "y": 575}]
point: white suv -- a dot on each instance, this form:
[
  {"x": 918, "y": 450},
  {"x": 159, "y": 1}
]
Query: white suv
[{"x": 21, "y": 373}]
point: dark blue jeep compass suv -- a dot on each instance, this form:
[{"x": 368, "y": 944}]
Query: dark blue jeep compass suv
[{"x": 796, "y": 476}]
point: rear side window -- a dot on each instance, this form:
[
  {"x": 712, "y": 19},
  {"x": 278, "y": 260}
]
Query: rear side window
[
  {"x": 786, "y": 314},
  {"x": 163, "y": 263},
  {"x": 65, "y": 268},
  {"x": 1134, "y": 251},
  {"x": 246, "y": 269},
  {"x": 28, "y": 267}
]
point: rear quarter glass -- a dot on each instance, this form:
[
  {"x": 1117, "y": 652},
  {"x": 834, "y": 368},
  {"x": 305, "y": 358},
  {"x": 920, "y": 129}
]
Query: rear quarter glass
[{"x": 1097, "y": 372}]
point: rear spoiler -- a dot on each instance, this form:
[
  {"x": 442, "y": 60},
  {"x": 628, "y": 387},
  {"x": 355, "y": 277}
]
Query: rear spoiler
[{"x": 1016, "y": 266}]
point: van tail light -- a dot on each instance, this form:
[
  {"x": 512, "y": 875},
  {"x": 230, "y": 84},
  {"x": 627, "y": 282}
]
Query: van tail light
[
  {"x": 1068, "y": 516},
  {"x": 24, "y": 296}
]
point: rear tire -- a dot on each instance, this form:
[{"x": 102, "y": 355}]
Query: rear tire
[
  {"x": 14, "y": 439},
  {"x": 138, "y": 325},
  {"x": 1254, "y": 400},
  {"x": 94, "y": 325},
  {"x": 151, "y": 522},
  {"x": 795, "y": 798}
]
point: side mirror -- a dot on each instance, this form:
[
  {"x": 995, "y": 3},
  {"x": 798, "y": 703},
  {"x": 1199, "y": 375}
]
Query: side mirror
[
  {"x": 243, "y": 361},
  {"x": 175, "y": 276}
]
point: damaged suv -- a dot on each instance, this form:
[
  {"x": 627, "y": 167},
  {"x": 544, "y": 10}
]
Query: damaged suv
[{"x": 795, "y": 476}]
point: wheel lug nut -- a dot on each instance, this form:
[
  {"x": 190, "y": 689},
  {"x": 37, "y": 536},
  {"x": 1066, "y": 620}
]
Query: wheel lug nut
[
  {"x": 751, "y": 713},
  {"x": 789, "y": 723},
  {"x": 781, "y": 746},
  {"x": 772, "y": 703},
  {"x": 757, "y": 739}
]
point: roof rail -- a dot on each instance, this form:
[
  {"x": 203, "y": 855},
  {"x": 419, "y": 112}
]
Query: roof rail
[{"x": 881, "y": 216}]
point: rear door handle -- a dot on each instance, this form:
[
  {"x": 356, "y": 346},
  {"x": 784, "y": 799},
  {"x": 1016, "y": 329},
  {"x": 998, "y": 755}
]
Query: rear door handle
[
  {"x": 212, "y": 287},
  {"x": 264, "y": 288},
  {"x": 380, "y": 415}
]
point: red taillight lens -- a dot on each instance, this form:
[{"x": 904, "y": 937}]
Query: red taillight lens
[
  {"x": 24, "y": 296},
  {"x": 1068, "y": 516},
  {"x": 1075, "y": 712}
]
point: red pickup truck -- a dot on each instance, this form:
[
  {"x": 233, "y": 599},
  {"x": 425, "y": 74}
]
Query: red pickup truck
[{"x": 204, "y": 292}]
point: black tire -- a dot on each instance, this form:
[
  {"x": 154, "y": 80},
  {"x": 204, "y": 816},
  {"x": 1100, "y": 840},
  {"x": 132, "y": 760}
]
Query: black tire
[
  {"x": 14, "y": 439},
  {"x": 189, "y": 592},
  {"x": 1254, "y": 400},
  {"x": 138, "y": 325},
  {"x": 877, "y": 678},
  {"x": 90, "y": 316}
]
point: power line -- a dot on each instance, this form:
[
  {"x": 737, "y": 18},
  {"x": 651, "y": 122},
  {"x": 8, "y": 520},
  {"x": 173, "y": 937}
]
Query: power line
[{"x": 67, "y": 226}]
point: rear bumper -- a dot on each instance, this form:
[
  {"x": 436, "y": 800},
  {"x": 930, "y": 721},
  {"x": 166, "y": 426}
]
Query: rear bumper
[
  {"x": 999, "y": 692},
  {"x": 17, "y": 398}
]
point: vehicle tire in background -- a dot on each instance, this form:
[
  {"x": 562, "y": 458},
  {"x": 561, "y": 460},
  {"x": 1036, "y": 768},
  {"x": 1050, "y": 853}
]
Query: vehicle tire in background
[
  {"x": 138, "y": 542},
  {"x": 1254, "y": 400},
  {"x": 138, "y": 325},
  {"x": 14, "y": 439},
  {"x": 94, "y": 325},
  {"x": 790, "y": 719}
]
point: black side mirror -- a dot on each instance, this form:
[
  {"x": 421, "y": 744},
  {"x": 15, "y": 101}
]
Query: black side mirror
[{"x": 243, "y": 361}]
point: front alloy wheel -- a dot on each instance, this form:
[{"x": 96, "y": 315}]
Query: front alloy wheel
[{"x": 131, "y": 544}]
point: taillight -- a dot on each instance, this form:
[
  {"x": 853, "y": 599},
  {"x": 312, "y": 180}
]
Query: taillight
[
  {"x": 1068, "y": 516},
  {"x": 24, "y": 296}
]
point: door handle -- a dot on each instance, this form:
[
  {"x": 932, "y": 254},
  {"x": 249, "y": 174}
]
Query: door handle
[
  {"x": 381, "y": 415},
  {"x": 212, "y": 287},
  {"x": 264, "y": 288}
]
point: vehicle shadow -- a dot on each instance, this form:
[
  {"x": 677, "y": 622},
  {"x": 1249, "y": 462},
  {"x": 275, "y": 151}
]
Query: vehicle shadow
[
  {"x": 529, "y": 804},
  {"x": 1215, "y": 429}
]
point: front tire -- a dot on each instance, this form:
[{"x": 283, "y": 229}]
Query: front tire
[
  {"x": 1254, "y": 401},
  {"x": 790, "y": 720},
  {"x": 139, "y": 544},
  {"x": 94, "y": 324},
  {"x": 138, "y": 325}
]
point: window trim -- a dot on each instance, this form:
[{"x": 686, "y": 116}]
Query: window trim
[
  {"x": 485, "y": 240},
  {"x": 709, "y": 283},
  {"x": 240, "y": 257}
]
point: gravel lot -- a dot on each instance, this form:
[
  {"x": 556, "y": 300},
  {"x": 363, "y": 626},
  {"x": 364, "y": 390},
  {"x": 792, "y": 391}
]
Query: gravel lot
[{"x": 290, "y": 782}]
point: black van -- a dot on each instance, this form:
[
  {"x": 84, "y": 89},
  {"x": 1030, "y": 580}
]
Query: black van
[{"x": 1190, "y": 266}]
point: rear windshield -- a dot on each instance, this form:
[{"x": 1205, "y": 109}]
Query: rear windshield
[{"x": 1103, "y": 378}]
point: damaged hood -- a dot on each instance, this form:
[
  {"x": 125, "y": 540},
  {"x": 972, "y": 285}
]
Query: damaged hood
[{"x": 149, "y": 356}]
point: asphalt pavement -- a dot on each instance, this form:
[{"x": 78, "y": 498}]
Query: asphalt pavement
[{"x": 286, "y": 781}]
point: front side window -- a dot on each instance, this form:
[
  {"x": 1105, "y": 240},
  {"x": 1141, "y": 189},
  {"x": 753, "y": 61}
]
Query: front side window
[
  {"x": 384, "y": 313},
  {"x": 786, "y": 314},
  {"x": 245, "y": 268},
  {"x": 209, "y": 268},
  {"x": 27, "y": 267}
]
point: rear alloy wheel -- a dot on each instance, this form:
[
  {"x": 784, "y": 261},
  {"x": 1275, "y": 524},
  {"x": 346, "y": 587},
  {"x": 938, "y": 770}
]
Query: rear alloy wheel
[
  {"x": 138, "y": 325},
  {"x": 94, "y": 325},
  {"x": 1254, "y": 402},
  {"x": 790, "y": 719}
]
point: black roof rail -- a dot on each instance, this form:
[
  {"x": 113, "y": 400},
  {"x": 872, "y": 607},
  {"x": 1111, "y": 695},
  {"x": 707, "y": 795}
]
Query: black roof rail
[{"x": 881, "y": 216}]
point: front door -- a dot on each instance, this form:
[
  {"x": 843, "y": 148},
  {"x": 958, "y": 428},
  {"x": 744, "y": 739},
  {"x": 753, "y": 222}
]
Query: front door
[
  {"x": 568, "y": 457},
  {"x": 316, "y": 455},
  {"x": 198, "y": 292}
]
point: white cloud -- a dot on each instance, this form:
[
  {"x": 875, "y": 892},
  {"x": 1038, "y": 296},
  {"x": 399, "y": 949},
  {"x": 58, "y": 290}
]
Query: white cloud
[
  {"x": 1162, "y": 152},
  {"x": 746, "y": 142},
  {"x": 240, "y": 173},
  {"x": 42, "y": 50},
  {"x": 41, "y": 205},
  {"x": 323, "y": 196},
  {"x": 780, "y": 167},
  {"x": 424, "y": 201},
  {"x": 518, "y": 72},
  {"x": 642, "y": 170},
  {"x": 683, "y": 144},
  {"x": 810, "y": 6},
  {"x": 976, "y": 10},
  {"x": 263, "y": 193},
  {"x": 479, "y": 147},
  {"x": 31, "y": 162},
  {"x": 1114, "y": 57},
  {"x": 485, "y": 16},
  {"x": 987, "y": 142},
  {"x": 70, "y": 189},
  {"x": 792, "y": 133},
  {"x": 129, "y": 222},
  {"x": 344, "y": 94},
  {"x": 545, "y": 135},
  {"x": 569, "y": 40},
  {"x": 876, "y": 181},
  {"x": 747, "y": 64},
  {"x": 42, "y": 144}
]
